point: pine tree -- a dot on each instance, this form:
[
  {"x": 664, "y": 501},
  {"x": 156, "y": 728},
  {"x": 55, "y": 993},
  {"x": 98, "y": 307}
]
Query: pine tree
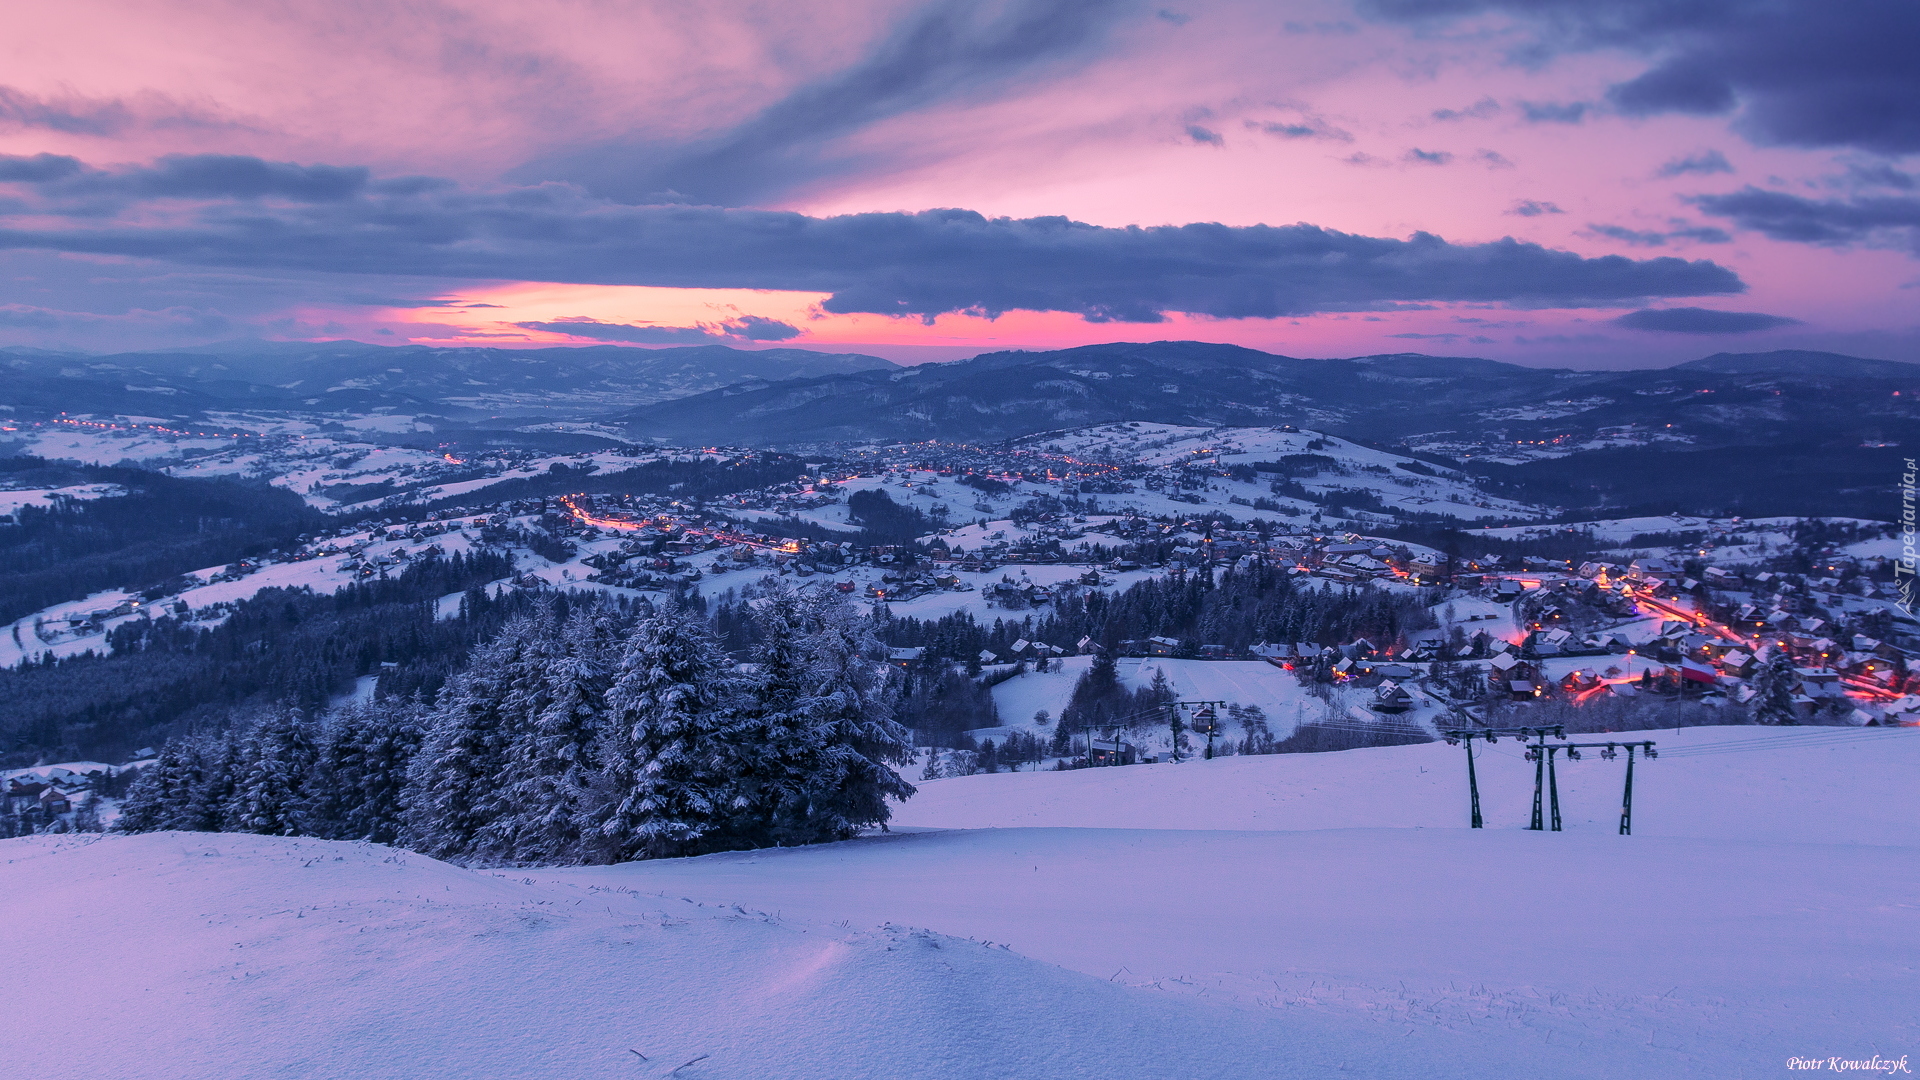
[
  {"x": 453, "y": 783},
  {"x": 525, "y": 679},
  {"x": 393, "y": 730},
  {"x": 665, "y": 775},
  {"x": 332, "y": 791},
  {"x": 1773, "y": 691},
  {"x": 1096, "y": 700},
  {"x": 211, "y": 806},
  {"x": 851, "y": 725},
  {"x": 277, "y": 758},
  {"x": 554, "y": 765},
  {"x": 772, "y": 746},
  {"x": 159, "y": 797}
]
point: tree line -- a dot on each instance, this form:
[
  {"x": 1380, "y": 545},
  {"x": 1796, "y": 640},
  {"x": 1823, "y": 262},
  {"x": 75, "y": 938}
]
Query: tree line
[
  {"x": 601, "y": 737},
  {"x": 164, "y": 526},
  {"x": 171, "y": 674}
]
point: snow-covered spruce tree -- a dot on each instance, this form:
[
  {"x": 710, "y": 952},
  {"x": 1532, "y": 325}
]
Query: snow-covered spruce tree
[
  {"x": 332, "y": 788},
  {"x": 665, "y": 751},
  {"x": 160, "y": 796},
  {"x": 361, "y": 768},
  {"x": 554, "y": 764},
  {"x": 453, "y": 782},
  {"x": 527, "y": 693},
  {"x": 853, "y": 738},
  {"x": 277, "y": 757},
  {"x": 774, "y": 744},
  {"x": 211, "y": 806},
  {"x": 392, "y": 733},
  {"x": 1773, "y": 691}
]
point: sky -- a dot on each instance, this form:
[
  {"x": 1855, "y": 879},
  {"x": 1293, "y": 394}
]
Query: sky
[{"x": 1575, "y": 183}]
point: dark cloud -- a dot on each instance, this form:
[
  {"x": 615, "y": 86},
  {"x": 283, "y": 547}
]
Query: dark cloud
[
  {"x": 1312, "y": 128},
  {"x": 1681, "y": 86},
  {"x": 1173, "y": 17},
  {"x": 1879, "y": 174},
  {"x": 906, "y": 264},
  {"x": 945, "y": 51},
  {"x": 1479, "y": 110},
  {"x": 1693, "y": 320},
  {"x": 1830, "y": 222},
  {"x": 38, "y": 168},
  {"x": 581, "y": 326},
  {"x": 1636, "y": 237},
  {"x": 1534, "y": 208},
  {"x": 746, "y": 327},
  {"x": 1205, "y": 135},
  {"x": 1417, "y": 156},
  {"x": 101, "y": 117},
  {"x": 1492, "y": 159},
  {"x": 1553, "y": 112},
  {"x": 1801, "y": 72},
  {"x": 73, "y": 116},
  {"x": 169, "y": 322},
  {"x": 755, "y": 328},
  {"x": 1704, "y": 163},
  {"x": 188, "y": 176},
  {"x": 1699, "y": 234}
]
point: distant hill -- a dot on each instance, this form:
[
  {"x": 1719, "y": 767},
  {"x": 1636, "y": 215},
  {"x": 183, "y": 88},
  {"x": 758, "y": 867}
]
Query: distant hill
[
  {"x": 1388, "y": 398},
  {"x": 1009, "y": 394},
  {"x": 343, "y": 376},
  {"x": 1801, "y": 362}
]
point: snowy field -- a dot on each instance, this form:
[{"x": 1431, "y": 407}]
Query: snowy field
[
  {"x": 1311, "y": 915},
  {"x": 11, "y": 501},
  {"x": 1237, "y": 682}
]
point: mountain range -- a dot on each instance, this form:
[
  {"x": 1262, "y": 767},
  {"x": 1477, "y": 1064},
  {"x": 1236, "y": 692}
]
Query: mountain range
[
  {"x": 1389, "y": 398},
  {"x": 1821, "y": 432},
  {"x": 715, "y": 394},
  {"x": 352, "y": 377}
]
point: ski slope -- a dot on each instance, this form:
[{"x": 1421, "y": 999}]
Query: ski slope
[
  {"x": 1314, "y": 915},
  {"x": 189, "y": 955},
  {"x": 1764, "y": 907}
]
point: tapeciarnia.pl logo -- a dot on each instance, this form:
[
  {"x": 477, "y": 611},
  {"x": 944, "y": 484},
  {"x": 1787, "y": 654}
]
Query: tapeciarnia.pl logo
[{"x": 1905, "y": 566}]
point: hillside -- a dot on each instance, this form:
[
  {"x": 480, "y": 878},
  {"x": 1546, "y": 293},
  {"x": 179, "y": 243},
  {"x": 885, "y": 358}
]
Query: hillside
[
  {"x": 337, "y": 376},
  {"x": 1799, "y": 361},
  {"x": 1462, "y": 406},
  {"x": 1006, "y": 395},
  {"x": 189, "y": 955},
  {"x": 1316, "y": 914}
]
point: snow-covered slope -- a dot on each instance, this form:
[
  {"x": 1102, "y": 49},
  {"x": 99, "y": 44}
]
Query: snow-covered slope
[
  {"x": 1314, "y": 915},
  {"x": 1738, "y": 784},
  {"x": 174, "y": 955},
  {"x": 1763, "y": 909}
]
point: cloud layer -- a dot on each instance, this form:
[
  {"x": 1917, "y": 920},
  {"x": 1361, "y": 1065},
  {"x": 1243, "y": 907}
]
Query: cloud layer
[
  {"x": 1801, "y": 72},
  {"x": 243, "y": 212},
  {"x": 745, "y": 328}
]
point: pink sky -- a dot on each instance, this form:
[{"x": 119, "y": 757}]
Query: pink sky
[{"x": 1237, "y": 113}]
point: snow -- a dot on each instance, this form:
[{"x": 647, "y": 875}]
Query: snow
[
  {"x": 1809, "y": 786},
  {"x": 1762, "y": 909},
  {"x": 78, "y": 768},
  {"x": 1316, "y": 915},
  {"x": 41, "y": 498},
  {"x": 193, "y": 955},
  {"x": 1237, "y": 682}
]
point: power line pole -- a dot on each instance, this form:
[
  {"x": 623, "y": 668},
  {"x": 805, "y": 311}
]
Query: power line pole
[
  {"x": 1473, "y": 785},
  {"x": 1209, "y": 712},
  {"x": 1492, "y": 735},
  {"x": 1546, "y": 780}
]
